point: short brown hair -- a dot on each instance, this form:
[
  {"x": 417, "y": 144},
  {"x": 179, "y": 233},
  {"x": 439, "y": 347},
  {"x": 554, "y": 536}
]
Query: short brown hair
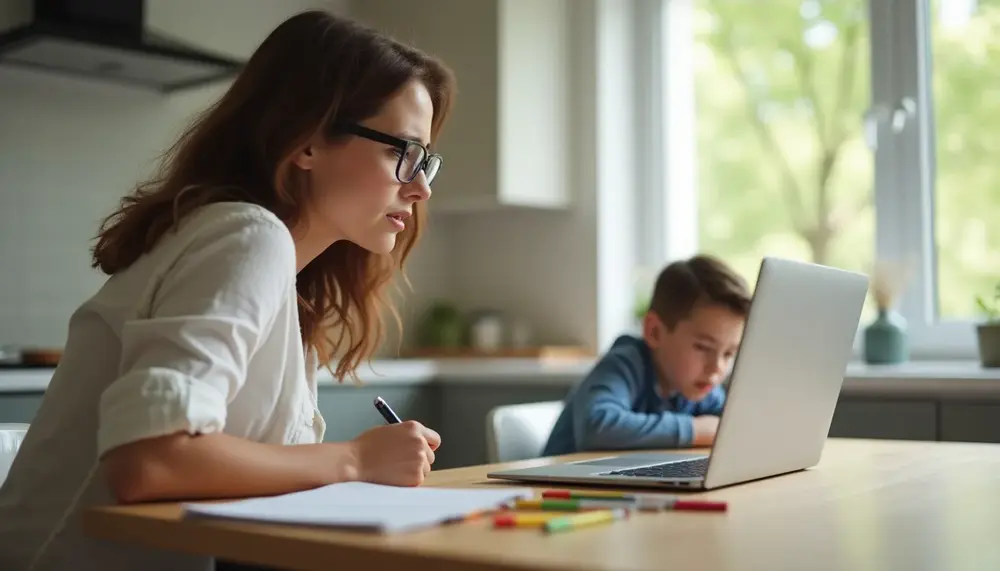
[
  {"x": 313, "y": 72},
  {"x": 702, "y": 279}
]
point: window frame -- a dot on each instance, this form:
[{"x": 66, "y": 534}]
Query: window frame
[{"x": 901, "y": 67}]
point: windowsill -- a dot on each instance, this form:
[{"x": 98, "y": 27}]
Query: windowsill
[
  {"x": 920, "y": 369},
  {"x": 951, "y": 380}
]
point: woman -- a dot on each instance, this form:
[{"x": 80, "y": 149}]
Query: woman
[{"x": 275, "y": 224}]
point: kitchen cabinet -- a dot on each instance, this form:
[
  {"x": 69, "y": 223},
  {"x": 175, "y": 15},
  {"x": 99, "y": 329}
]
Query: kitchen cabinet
[
  {"x": 457, "y": 409},
  {"x": 885, "y": 419},
  {"x": 507, "y": 141},
  {"x": 968, "y": 422},
  {"x": 464, "y": 407},
  {"x": 19, "y": 407}
]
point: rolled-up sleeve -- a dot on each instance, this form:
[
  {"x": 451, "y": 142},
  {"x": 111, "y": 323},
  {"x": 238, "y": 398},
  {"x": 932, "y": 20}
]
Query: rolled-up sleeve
[{"x": 185, "y": 359}]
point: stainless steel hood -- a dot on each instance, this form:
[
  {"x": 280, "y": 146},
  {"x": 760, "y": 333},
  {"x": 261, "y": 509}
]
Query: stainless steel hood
[{"x": 107, "y": 40}]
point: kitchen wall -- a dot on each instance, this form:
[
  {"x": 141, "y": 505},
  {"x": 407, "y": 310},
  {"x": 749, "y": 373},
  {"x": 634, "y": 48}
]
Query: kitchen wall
[
  {"x": 537, "y": 265},
  {"x": 69, "y": 149}
]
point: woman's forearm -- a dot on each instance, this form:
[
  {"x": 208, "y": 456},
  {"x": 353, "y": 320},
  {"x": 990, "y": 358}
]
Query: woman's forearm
[{"x": 181, "y": 466}]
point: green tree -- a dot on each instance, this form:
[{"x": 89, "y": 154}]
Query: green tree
[
  {"x": 966, "y": 91},
  {"x": 784, "y": 169}
]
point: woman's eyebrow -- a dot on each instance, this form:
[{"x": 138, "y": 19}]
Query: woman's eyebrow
[{"x": 412, "y": 137}]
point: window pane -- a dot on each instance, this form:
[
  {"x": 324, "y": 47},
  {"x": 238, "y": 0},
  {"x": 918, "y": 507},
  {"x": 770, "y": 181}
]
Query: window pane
[
  {"x": 966, "y": 93},
  {"x": 783, "y": 166}
]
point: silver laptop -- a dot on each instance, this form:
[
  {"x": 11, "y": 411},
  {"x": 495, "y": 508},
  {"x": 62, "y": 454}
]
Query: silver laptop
[{"x": 784, "y": 386}]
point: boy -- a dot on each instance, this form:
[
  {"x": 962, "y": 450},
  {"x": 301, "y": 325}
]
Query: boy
[{"x": 663, "y": 390}]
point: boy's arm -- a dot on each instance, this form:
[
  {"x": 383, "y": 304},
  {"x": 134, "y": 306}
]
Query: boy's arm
[
  {"x": 713, "y": 402},
  {"x": 602, "y": 411}
]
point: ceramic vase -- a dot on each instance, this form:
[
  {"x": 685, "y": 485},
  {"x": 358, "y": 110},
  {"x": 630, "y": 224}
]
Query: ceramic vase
[{"x": 886, "y": 339}]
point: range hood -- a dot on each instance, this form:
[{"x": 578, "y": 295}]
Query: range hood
[{"x": 107, "y": 40}]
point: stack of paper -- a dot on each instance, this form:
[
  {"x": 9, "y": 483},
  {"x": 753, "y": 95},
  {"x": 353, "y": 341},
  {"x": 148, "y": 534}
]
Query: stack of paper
[{"x": 361, "y": 505}]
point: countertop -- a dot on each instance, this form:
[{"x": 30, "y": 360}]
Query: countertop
[{"x": 917, "y": 379}]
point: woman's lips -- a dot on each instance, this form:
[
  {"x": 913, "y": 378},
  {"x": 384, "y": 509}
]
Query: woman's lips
[{"x": 397, "y": 220}]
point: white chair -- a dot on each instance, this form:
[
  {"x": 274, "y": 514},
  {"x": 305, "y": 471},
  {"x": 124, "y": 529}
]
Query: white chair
[
  {"x": 519, "y": 431},
  {"x": 11, "y": 436}
]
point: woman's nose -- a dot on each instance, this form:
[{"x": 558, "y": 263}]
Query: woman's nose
[{"x": 417, "y": 189}]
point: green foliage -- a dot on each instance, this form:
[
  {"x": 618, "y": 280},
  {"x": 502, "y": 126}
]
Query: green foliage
[
  {"x": 783, "y": 167},
  {"x": 990, "y": 308}
]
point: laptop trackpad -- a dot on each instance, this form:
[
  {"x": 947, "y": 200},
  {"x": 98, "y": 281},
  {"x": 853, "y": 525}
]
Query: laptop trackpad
[{"x": 639, "y": 459}]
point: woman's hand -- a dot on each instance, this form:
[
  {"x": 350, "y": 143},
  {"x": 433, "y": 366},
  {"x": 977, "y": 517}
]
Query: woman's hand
[{"x": 396, "y": 454}]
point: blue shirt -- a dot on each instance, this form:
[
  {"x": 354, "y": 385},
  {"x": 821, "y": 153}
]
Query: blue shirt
[{"x": 617, "y": 407}]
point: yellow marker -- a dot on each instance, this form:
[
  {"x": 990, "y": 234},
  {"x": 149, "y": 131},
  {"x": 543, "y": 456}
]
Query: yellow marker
[
  {"x": 513, "y": 519},
  {"x": 584, "y": 519}
]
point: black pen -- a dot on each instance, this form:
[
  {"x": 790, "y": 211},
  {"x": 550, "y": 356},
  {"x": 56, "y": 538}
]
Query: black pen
[{"x": 386, "y": 411}]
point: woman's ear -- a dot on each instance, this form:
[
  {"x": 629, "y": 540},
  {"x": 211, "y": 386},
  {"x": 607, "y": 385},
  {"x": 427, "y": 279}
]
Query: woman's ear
[{"x": 304, "y": 158}]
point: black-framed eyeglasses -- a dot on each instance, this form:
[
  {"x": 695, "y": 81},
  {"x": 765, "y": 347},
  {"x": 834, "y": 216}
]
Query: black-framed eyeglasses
[{"x": 413, "y": 156}]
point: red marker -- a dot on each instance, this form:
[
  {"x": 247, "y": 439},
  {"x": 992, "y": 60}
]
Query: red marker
[{"x": 699, "y": 505}]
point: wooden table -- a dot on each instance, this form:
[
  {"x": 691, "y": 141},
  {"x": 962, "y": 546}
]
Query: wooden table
[{"x": 869, "y": 505}]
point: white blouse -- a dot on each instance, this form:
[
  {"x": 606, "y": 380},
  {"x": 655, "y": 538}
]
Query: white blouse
[{"x": 201, "y": 335}]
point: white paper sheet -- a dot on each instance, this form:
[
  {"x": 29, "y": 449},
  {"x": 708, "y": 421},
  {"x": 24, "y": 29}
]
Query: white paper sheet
[{"x": 361, "y": 505}]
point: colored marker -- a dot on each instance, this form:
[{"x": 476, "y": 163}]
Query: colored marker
[
  {"x": 655, "y": 503},
  {"x": 699, "y": 505},
  {"x": 536, "y": 519},
  {"x": 569, "y": 505},
  {"x": 644, "y": 501},
  {"x": 584, "y": 519},
  {"x": 571, "y": 495}
]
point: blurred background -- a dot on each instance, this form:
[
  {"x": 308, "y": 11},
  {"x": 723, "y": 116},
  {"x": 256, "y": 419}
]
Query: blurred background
[{"x": 592, "y": 142}]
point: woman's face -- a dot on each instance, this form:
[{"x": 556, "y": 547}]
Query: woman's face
[{"x": 354, "y": 192}]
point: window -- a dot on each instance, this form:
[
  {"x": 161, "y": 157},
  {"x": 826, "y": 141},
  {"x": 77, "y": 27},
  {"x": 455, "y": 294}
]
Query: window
[
  {"x": 782, "y": 164},
  {"x": 965, "y": 63},
  {"x": 841, "y": 133}
]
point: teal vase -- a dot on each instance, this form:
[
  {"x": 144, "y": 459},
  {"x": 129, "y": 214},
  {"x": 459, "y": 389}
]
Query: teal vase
[{"x": 886, "y": 340}]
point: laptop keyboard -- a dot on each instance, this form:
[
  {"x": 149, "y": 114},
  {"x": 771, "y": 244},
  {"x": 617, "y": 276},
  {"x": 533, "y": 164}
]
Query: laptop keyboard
[{"x": 683, "y": 469}]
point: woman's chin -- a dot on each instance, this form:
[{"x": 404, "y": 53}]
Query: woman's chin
[{"x": 381, "y": 244}]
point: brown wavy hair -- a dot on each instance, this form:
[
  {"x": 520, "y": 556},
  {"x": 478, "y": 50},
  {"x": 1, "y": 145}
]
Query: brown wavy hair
[
  {"x": 313, "y": 71},
  {"x": 700, "y": 279}
]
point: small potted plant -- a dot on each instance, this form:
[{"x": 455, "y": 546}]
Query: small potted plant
[{"x": 989, "y": 329}]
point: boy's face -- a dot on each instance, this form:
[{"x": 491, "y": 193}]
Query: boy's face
[{"x": 695, "y": 356}]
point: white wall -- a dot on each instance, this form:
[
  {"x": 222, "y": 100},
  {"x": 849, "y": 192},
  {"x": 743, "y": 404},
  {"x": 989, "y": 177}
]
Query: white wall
[
  {"x": 540, "y": 266},
  {"x": 570, "y": 273},
  {"x": 69, "y": 149},
  {"x": 536, "y": 266}
]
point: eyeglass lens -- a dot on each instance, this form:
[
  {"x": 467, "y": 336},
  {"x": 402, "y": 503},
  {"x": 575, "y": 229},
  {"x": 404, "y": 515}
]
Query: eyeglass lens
[{"x": 411, "y": 161}]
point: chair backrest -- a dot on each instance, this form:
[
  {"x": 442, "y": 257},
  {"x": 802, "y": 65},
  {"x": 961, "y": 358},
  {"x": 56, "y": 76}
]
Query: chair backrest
[
  {"x": 519, "y": 431},
  {"x": 11, "y": 436}
]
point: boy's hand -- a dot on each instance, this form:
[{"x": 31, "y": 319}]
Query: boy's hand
[{"x": 705, "y": 428}]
